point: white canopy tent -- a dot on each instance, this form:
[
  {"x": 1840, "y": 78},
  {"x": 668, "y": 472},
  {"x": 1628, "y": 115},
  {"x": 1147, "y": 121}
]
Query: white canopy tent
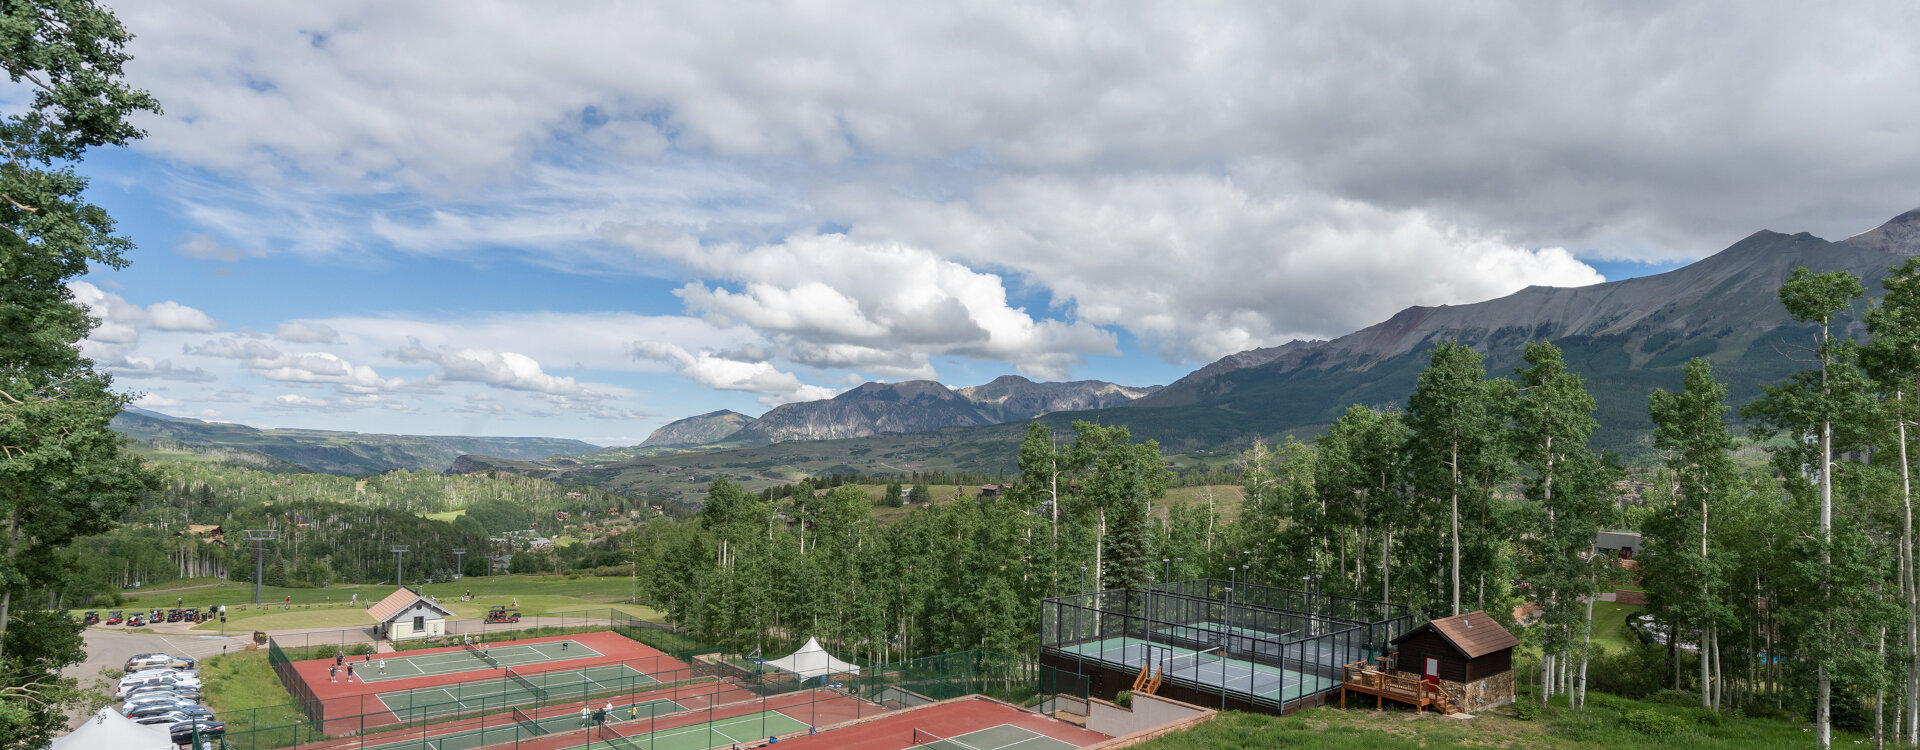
[
  {"x": 812, "y": 661},
  {"x": 107, "y": 729}
]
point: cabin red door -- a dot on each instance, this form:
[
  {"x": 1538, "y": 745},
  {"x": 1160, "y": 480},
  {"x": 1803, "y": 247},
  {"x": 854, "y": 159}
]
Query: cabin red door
[{"x": 1432, "y": 673}]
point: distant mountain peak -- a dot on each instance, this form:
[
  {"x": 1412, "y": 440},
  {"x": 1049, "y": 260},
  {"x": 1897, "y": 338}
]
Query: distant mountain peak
[
  {"x": 711, "y": 427},
  {"x": 1900, "y": 235}
]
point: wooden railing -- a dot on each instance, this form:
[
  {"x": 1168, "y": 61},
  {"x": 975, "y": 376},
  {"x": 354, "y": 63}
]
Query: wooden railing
[{"x": 1376, "y": 678}]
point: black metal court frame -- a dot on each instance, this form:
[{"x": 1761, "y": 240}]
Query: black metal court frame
[{"x": 1262, "y": 650}]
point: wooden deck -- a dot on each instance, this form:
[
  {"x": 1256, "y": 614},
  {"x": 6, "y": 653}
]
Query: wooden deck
[{"x": 1384, "y": 683}]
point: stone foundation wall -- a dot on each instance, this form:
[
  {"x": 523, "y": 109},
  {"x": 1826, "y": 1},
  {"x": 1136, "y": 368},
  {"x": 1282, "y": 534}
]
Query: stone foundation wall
[{"x": 1482, "y": 694}]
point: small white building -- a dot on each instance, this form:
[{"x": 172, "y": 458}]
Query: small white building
[{"x": 405, "y": 614}]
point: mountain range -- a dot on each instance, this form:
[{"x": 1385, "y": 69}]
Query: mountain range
[
  {"x": 335, "y": 452},
  {"x": 1625, "y": 338}
]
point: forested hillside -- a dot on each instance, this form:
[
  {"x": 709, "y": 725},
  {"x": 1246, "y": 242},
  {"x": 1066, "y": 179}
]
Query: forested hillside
[{"x": 1788, "y": 590}]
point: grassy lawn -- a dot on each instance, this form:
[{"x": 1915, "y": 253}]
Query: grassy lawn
[
  {"x": 243, "y": 691},
  {"x": 316, "y": 608},
  {"x": 1610, "y": 624},
  {"x": 1596, "y": 728},
  {"x": 447, "y": 516}
]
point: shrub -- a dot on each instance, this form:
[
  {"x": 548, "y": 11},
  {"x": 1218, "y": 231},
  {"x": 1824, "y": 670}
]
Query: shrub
[
  {"x": 1652, "y": 723},
  {"x": 1672, "y": 697},
  {"x": 1607, "y": 701},
  {"x": 361, "y": 650},
  {"x": 1526, "y": 710},
  {"x": 325, "y": 652},
  {"x": 1633, "y": 672},
  {"x": 1705, "y": 717},
  {"x": 1124, "y": 699}
]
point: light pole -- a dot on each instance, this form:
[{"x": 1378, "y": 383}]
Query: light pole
[
  {"x": 259, "y": 537},
  {"x": 459, "y": 562},
  {"x": 1083, "y": 579},
  {"x": 399, "y": 564}
]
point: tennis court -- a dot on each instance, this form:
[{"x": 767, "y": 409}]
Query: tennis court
[
  {"x": 468, "y": 660},
  {"x": 1003, "y": 737},
  {"x": 430, "y": 702},
  {"x": 520, "y": 729},
  {"x": 722, "y": 733},
  {"x": 1210, "y": 668}
]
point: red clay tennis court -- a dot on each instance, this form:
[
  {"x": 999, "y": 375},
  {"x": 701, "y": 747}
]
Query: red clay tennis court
[{"x": 961, "y": 724}]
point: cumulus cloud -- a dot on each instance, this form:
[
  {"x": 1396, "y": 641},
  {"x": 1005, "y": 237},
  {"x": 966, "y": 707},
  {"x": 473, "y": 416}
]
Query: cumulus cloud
[
  {"x": 266, "y": 361},
  {"x": 162, "y": 369},
  {"x": 1206, "y": 267},
  {"x": 852, "y": 303},
  {"x": 299, "y": 332},
  {"x": 1559, "y": 123},
  {"x": 501, "y": 369},
  {"x": 297, "y": 400},
  {"x": 776, "y": 387},
  {"x": 155, "y": 401},
  {"x": 121, "y": 321}
]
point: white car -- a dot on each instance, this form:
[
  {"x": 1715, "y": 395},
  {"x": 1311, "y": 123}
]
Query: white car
[
  {"x": 158, "y": 697},
  {"x": 168, "y": 681},
  {"x": 162, "y": 675},
  {"x": 156, "y": 686},
  {"x": 171, "y": 717}
]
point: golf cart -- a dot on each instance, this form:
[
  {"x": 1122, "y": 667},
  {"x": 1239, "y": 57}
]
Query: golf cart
[
  {"x": 90, "y": 618},
  {"x": 114, "y": 617},
  {"x": 174, "y": 615},
  {"x": 136, "y": 620},
  {"x": 502, "y": 614}
]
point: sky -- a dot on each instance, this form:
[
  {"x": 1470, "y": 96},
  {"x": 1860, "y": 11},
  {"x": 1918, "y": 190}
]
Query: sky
[{"x": 588, "y": 219}]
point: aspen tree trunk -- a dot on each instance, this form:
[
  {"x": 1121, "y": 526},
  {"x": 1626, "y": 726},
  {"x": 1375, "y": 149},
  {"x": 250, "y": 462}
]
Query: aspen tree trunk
[
  {"x": 1456, "y": 529},
  {"x": 1880, "y": 701},
  {"x": 1586, "y": 647},
  {"x": 1908, "y": 589}
]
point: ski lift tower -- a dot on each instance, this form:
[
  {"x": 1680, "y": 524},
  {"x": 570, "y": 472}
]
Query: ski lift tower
[
  {"x": 399, "y": 564},
  {"x": 459, "y": 560},
  {"x": 259, "y": 537}
]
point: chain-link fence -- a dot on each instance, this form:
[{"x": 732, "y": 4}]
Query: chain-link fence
[{"x": 691, "y": 688}]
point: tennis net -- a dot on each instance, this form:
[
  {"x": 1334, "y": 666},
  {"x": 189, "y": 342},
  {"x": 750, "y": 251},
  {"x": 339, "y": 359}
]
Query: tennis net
[
  {"x": 527, "y": 724},
  {"x": 473, "y": 648},
  {"x": 924, "y": 738},
  {"x": 538, "y": 692},
  {"x": 614, "y": 740},
  {"x": 1192, "y": 661}
]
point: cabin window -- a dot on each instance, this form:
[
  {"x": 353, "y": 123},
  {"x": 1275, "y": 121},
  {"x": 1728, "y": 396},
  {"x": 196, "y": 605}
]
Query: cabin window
[{"x": 419, "y": 623}]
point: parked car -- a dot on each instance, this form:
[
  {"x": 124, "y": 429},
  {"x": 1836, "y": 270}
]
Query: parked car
[
  {"x": 191, "y": 690},
  {"x": 142, "y": 712},
  {"x": 182, "y": 733},
  {"x": 170, "y": 717},
  {"x": 157, "y": 699},
  {"x": 153, "y": 697},
  {"x": 160, "y": 675}
]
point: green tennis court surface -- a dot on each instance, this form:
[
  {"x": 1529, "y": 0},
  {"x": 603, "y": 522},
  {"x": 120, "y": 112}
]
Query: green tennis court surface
[
  {"x": 509, "y": 731},
  {"x": 427, "y": 665},
  {"x": 1237, "y": 675},
  {"x": 441, "y": 701},
  {"x": 1003, "y": 737},
  {"x": 1212, "y": 633},
  {"x": 722, "y": 733}
]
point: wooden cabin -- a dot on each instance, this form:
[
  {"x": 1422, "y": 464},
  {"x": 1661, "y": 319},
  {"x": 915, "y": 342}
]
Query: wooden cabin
[{"x": 1468, "y": 656}]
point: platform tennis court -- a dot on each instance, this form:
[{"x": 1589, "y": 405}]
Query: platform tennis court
[
  {"x": 706, "y": 736},
  {"x": 510, "y": 731},
  {"x": 1206, "y": 669},
  {"x": 430, "y": 702},
  {"x": 1002, "y": 737},
  {"x": 450, "y": 662}
]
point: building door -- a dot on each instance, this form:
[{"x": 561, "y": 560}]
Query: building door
[{"x": 1432, "y": 673}]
